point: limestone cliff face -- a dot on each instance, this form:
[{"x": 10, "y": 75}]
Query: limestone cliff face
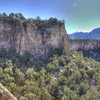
[
  {"x": 25, "y": 36},
  {"x": 85, "y": 44}
]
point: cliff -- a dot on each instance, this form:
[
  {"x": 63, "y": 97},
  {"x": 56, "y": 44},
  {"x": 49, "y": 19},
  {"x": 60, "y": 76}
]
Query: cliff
[
  {"x": 25, "y": 35},
  {"x": 85, "y": 44},
  {"x": 89, "y": 47}
]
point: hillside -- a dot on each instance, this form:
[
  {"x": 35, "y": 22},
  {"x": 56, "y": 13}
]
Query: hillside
[
  {"x": 65, "y": 75},
  {"x": 94, "y": 34},
  {"x": 60, "y": 74}
]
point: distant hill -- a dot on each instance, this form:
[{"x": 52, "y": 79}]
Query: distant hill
[{"x": 94, "y": 34}]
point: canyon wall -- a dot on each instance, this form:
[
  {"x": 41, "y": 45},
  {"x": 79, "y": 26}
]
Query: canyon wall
[
  {"x": 25, "y": 36},
  {"x": 89, "y": 47},
  {"x": 85, "y": 44}
]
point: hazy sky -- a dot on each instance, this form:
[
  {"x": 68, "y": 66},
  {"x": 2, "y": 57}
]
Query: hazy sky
[{"x": 79, "y": 15}]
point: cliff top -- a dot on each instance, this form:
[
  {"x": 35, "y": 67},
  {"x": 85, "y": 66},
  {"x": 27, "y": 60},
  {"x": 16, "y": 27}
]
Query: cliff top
[{"x": 40, "y": 23}]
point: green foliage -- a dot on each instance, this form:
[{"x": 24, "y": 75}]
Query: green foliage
[
  {"x": 58, "y": 76},
  {"x": 54, "y": 64},
  {"x": 83, "y": 88},
  {"x": 4, "y": 15},
  {"x": 62, "y": 80}
]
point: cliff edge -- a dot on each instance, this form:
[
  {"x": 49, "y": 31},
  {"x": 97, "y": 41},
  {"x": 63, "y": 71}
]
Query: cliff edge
[
  {"x": 35, "y": 36},
  {"x": 89, "y": 47},
  {"x": 85, "y": 44}
]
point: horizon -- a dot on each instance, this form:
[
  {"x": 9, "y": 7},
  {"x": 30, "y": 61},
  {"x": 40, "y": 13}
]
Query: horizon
[{"x": 79, "y": 16}]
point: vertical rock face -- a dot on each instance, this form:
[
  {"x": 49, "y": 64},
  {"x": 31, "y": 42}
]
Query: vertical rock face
[
  {"x": 85, "y": 44},
  {"x": 89, "y": 47},
  {"x": 25, "y": 36}
]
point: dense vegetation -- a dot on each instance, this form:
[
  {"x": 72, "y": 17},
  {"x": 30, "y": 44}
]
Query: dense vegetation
[
  {"x": 60, "y": 75},
  {"x": 95, "y": 54},
  {"x": 38, "y": 22}
]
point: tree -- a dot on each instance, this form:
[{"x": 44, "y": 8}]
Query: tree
[
  {"x": 1, "y": 73},
  {"x": 30, "y": 96},
  {"x": 83, "y": 73},
  {"x": 30, "y": 74},
  {"x": 54, "y": 65},
  {"x": 62, "y": 61},
  {"x": 53, "y": 21},
  {"x": 20, "y": 16},
  {"x": 4, "y": 15},
  {"x": 67, "y": 71},
  {"x": 19, "y": 77},
  {"x": 31, "y": 87},
  {"x": 11, "y": 15},
  {"x": 91, "y": 94},
  {"x": 38, "y": 18},
  {"x": 7, "y": 79},
  {"x": 45, "y": 95},
  {"x": 26, "y": 59},
  {"x": 91, "y": 73},
  {"x": 83, "y": 88},
  {"x": 62, "y": 80},
  {"x": 70, "y": 95},
  {"x": 8, "y": 71}
]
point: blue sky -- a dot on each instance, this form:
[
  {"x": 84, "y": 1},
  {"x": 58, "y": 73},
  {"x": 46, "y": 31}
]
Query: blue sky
[{"x": 79, "y": 15}]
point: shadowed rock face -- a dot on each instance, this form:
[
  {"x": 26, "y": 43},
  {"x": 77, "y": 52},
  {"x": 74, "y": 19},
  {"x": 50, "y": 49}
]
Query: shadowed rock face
[
  {"x": 85, "y": 44},
  {"x": 25, "y": 36},
  {"x": 5, "y": 94},
  {"x": 90, "y": 48}
]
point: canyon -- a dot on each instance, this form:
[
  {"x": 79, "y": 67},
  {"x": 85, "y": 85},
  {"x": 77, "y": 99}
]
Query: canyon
[{"x": 85, "y": 44}]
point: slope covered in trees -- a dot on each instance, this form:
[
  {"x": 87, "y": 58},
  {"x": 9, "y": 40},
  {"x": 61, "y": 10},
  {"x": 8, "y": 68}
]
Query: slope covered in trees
[{"x": 61, "y": 75}]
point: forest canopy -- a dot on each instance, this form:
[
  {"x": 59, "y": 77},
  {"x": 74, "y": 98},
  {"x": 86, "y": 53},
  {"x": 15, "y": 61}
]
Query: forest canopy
[{"x": 65, "y": 75}]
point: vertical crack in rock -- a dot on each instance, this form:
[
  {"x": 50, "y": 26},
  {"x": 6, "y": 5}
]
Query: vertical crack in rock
[{"x": 26, "y": 36}]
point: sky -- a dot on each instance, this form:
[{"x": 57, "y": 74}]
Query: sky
[{"x": 79, "y": 15}]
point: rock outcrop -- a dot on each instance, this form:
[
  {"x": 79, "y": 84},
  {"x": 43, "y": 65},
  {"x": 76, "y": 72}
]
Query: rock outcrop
[
  {"x": 89, "y": 47},
  {"x": 85, "y": 44},
  {"x": 25, "y": 36},
  {"x": 5, "y": 94}
]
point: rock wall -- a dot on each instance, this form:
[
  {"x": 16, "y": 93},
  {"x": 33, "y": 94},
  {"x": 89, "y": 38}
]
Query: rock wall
[
  {"x": 89, "y": 47},
  {"x": 25, "y": 36},
  {"x": 85, "y": 44}
]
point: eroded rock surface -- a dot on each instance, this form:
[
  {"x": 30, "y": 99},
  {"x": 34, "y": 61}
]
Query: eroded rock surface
[
  {"x": 25, "y": 36},
  {"x": 89, "y": 47},
  {"x": 85, "y": 44}
]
